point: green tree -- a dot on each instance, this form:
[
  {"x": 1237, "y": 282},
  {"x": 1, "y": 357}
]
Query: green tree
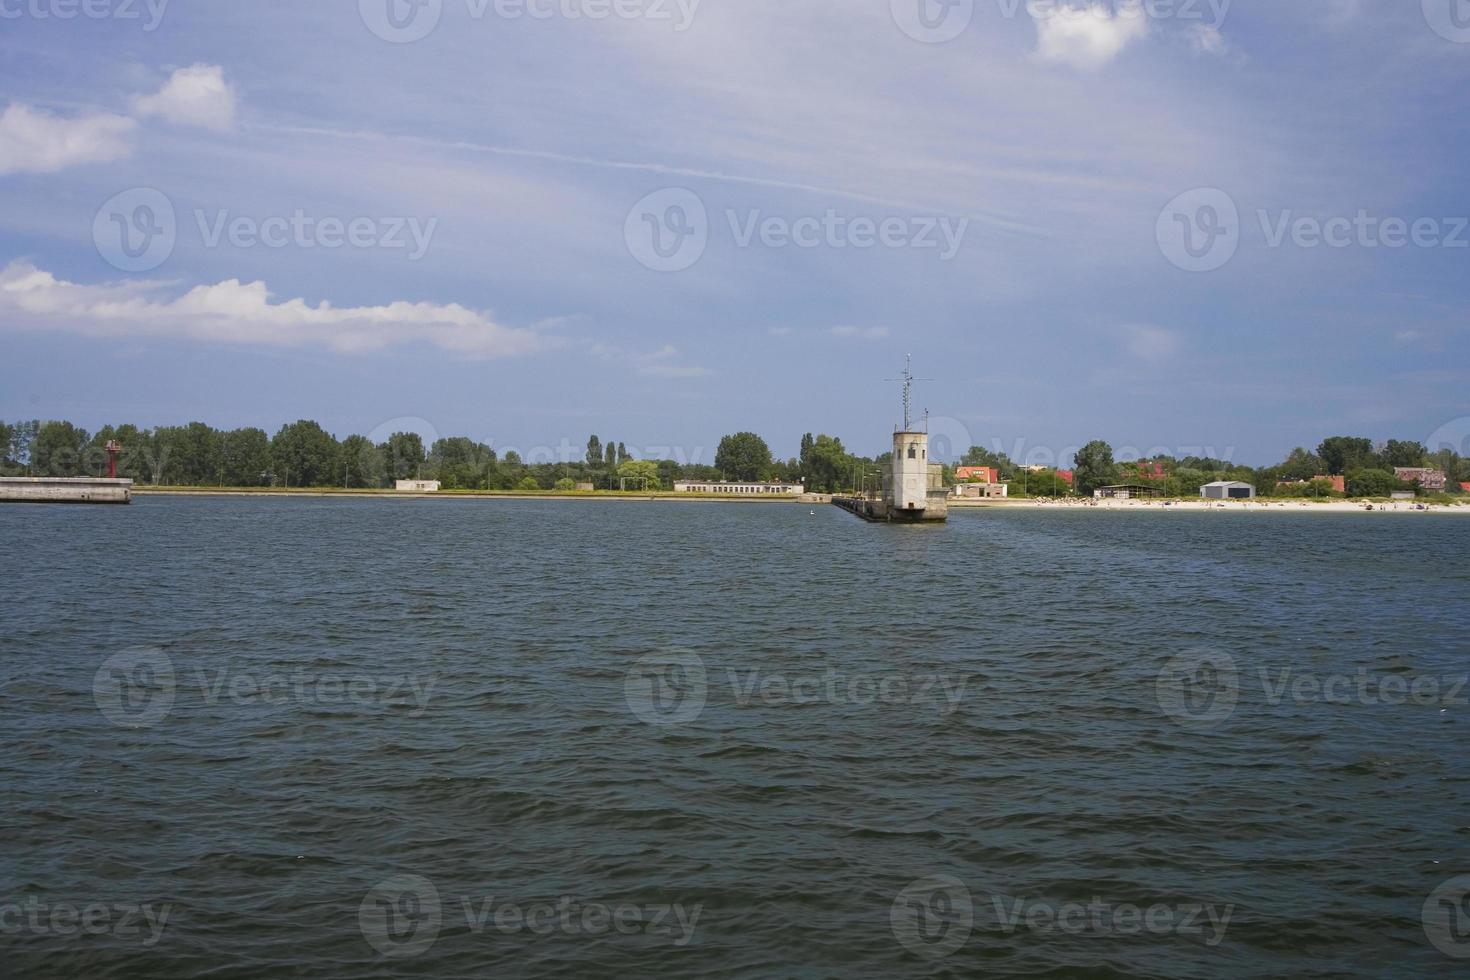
[
  {"x": 636, "y": 471},
  {"x": 1399, "y": 452},
  {"x": 1094, "y": 467},
  {"x": 58, "y": 450},
  {"x": 829, "y": 466},
  {"x": 528, "y": 484},
  {"x": 564, "y": 485},
  {"x": 304, "y": 454},
  {"x": 403, "y": 455},
  {"x": 1301, "y": 465},
  {"x": 1343, "y": 453},
  {"x": 743, "y": 456},
  {"x": 363, "y": 465},
  {"x": 1365, "y": 482},
  {"x": 594, "y": 452},
  {"x": 246, "y": 456}
]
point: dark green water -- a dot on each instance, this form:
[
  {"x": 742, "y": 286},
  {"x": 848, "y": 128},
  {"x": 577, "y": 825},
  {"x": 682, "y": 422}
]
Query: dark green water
[{"x": 346, "y": 738}]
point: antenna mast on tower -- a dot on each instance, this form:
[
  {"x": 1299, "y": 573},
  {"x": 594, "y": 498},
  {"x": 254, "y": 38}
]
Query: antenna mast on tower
[{"x": 908, "y": 380}]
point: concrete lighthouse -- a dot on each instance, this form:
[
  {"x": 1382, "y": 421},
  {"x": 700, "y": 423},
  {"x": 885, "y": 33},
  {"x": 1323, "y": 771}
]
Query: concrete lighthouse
[{"x": 913, "y": 487}]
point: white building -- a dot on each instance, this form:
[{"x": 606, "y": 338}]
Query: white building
[
  {"x": 417, "y": 486},
  {"x": 1227, "y": 490},
  {"x": 741, "y": 489},
  {"x": 910, "y": 485}
]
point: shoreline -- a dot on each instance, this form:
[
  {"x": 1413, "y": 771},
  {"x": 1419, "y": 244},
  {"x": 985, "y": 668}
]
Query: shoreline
[{"x": 1258, "y": 505}]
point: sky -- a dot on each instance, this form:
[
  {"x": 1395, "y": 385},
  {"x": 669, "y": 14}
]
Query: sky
[{"x": 1185, "y": 226}]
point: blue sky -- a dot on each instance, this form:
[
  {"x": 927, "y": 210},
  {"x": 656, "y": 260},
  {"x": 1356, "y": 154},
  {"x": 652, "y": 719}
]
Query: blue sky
[{"x": 663, "y": 221}]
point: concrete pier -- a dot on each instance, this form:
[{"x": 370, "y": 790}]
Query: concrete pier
[
  {"x": 881, "y": 510},
  {"x": 64, "y": 490}
]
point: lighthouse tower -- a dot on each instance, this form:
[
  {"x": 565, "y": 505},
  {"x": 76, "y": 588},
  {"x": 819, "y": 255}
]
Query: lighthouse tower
[{"x": 910, "y": 470}]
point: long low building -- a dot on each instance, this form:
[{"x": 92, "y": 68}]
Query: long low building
[{"x": 742, "y": 489}]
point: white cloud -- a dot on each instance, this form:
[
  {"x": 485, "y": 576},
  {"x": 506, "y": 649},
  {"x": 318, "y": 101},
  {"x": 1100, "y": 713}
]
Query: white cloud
[
  {"x": 665, "y": 363},
  {"x": 243, "y": 313},
  {"x": 1152, "y": 344},
  {"x": 1407, "y": 336},
  {"x": 862, "y": 333},
  {"x": 193, "y": 96},
  {"x": 1205, "y": 39},
  {"x": 1087, "y": 36},
  {"x": 32, "y": 141}
]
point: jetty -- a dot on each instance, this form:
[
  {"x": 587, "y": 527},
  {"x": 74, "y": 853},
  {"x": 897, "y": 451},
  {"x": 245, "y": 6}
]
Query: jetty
[
  {"x": 913, "y": 489},
  {"x": 65, "y": 490}
]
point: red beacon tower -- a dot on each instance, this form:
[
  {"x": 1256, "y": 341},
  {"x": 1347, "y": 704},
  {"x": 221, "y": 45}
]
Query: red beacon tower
[{"x": 113, "y": 447}]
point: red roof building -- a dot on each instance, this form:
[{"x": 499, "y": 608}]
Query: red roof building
[{"x": 977, "y": 474}]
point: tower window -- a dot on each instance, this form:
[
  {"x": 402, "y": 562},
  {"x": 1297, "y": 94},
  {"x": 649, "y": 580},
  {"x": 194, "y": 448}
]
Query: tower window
[{"x": 912, "y": 453}]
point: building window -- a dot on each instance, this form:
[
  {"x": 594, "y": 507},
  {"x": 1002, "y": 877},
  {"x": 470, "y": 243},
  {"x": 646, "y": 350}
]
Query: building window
[{"x": 912, "y": 453}]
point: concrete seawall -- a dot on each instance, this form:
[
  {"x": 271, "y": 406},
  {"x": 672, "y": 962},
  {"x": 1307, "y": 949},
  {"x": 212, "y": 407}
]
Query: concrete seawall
[{"x": 64, "y": 490}]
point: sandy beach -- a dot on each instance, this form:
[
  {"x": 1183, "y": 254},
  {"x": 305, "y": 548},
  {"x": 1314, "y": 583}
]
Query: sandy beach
[{"x": 1247, "y": 506}]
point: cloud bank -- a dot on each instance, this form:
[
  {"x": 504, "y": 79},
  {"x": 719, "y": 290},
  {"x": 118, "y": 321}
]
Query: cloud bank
[{"x": 244, "y": 313}]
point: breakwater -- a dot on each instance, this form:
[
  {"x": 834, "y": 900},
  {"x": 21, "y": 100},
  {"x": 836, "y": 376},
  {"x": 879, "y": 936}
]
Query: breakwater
[{"x": 64, "y": 490}]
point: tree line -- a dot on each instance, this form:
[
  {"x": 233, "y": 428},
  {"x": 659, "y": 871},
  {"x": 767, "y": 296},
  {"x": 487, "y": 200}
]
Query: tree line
[{"x": 303, "y": 454}]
